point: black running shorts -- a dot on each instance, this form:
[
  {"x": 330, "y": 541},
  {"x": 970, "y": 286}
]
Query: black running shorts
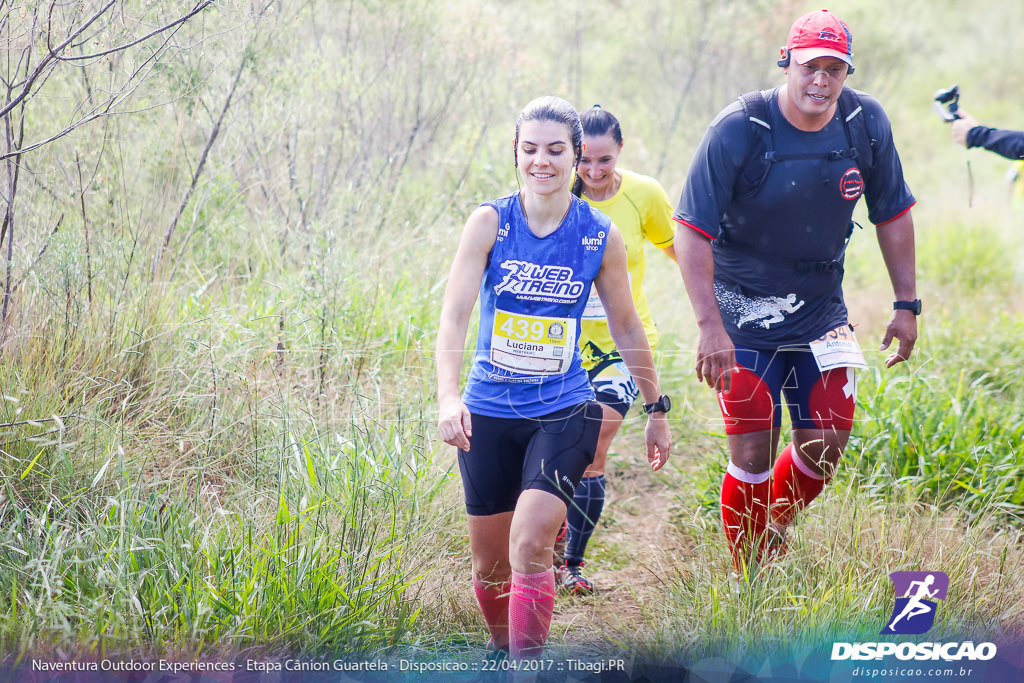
[{"x": 506, "y": 456}]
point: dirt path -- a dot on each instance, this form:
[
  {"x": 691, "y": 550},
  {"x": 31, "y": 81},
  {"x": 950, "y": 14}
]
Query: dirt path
[{"x": 625, "y": 559}]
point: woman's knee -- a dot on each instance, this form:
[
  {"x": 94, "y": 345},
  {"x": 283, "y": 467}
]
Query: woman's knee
[{"x": 531, "y": 551}]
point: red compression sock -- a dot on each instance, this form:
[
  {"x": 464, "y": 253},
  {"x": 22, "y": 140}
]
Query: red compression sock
[
  {"x": 794, "y": 485},
  {"x": 744, "y": 512},
  {"x": 493, "y": 599},
  {"x": 529, "y": 612}
]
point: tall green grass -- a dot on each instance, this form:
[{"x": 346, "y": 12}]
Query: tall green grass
[
  {"x": 833, "y": 584},
  {"x": 947, "y": 428},
  {"x": 950, "y": 437},
  {"x": 318, "y": 560}
]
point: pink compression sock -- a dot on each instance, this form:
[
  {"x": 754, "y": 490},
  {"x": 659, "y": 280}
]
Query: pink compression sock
[
  {"x": 493, "y": 599},
  {"x": 529, "y": 612}
]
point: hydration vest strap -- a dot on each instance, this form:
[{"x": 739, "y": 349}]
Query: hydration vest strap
[
  {"x": 798, "y": 265},
  {"x": 756, "y": 110}
]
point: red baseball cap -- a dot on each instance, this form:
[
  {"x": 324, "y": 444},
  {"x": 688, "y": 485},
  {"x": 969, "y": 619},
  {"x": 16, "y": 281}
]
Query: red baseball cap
[{"x": 820, "y": 34}]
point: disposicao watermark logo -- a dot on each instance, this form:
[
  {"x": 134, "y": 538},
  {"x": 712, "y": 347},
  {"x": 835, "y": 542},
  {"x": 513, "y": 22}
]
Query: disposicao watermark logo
[{"x": 914, "y": 613}]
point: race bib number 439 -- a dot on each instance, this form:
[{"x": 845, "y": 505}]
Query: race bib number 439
[{"x": 532, "y": 345}]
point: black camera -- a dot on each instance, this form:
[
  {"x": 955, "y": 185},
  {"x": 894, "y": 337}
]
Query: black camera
[{"x": 947, "y": 103}]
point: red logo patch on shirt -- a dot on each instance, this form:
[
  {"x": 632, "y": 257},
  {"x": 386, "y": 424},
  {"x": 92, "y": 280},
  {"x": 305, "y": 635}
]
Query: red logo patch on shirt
[{"x": 851, "y": 185}]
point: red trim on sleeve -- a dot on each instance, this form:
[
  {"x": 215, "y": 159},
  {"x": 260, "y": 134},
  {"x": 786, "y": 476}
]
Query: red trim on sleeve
[
  {"x": 694, "y": 227},
  {"x": 897, "y": 215}
]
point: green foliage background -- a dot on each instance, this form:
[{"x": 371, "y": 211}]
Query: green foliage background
[{"x": 227, "y": 445}]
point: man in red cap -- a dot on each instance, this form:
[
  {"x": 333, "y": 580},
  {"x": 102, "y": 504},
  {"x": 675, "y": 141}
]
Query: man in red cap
[{"x": 763, "y": 222}]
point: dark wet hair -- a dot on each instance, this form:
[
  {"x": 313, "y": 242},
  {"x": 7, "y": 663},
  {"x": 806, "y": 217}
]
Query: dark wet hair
[
  {"x": 551, "y": 108},
  {"x": 597, "y": 122}
]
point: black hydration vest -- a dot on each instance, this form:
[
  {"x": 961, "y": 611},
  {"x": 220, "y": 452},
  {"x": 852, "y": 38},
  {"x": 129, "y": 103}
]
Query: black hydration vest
[{"x": 762, "y": 154}]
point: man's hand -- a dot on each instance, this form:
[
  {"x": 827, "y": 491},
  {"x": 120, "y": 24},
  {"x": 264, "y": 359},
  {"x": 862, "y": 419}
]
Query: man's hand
[
  {"x": 903, "y": 326},
  {"x": 716, "y": 358},
  {"x": 961, "y": 127}
]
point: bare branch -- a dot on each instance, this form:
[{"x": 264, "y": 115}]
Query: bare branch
[
  {"x": 42, "y": 251},
  {"x": 39, "y": 420},
  {"x": 85, "y": 227},
  {"x": 99, "y": 111},
  {"x": 50, "y": 56},
  {"x": 199, "y": 168},
  {"x": 121, "y": 48},
  {"x": 13, "y": 173},
  {"x": 54, "y": 53}
]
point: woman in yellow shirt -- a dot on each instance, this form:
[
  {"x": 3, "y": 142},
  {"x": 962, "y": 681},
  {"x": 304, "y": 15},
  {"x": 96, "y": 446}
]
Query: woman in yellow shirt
[{"x": 638, "y": 205}]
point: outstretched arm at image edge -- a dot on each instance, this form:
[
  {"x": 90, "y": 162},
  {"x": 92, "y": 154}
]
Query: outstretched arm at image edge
[{"x": 969, "y": 133}]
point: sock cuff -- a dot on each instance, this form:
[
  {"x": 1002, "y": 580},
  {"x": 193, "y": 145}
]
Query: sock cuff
[
  {"x": 747, "y": 477},
  {"x": 805, "y": 469},
  {"x": 522, "y": 579},
  {"x": 534, "y": 587}
]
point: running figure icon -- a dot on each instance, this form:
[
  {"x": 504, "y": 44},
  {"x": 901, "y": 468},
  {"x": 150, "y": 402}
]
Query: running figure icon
[
  {"x": 915, "y": 612},
  {"x": 915, "y": 605}
]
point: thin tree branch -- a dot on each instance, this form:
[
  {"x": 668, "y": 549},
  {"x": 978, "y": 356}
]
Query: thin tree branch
[
  {"x": 199, "y": 168},
  {"x": 105, "y": 108},
  {"x": 53, "y": 54},
  {"x": 50, "y": 56},
  {"x": 42, "y": 251},
  {"x": 13, "y": 173},
  {"x": 85, "y": 228},
  {"x": 55, "y": 418},
  {"x": 120, "y": 48}
]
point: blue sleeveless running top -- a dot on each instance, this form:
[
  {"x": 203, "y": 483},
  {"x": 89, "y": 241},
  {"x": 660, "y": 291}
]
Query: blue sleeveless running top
[{"x": 533, "y": 292}]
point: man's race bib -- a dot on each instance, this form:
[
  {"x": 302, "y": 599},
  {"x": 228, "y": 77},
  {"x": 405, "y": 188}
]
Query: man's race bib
[
  {"x": 838, "y": 349},
  {"x": 532, "y": 344}
]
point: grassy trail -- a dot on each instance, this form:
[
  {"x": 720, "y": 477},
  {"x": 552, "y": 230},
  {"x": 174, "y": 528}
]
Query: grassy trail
[{"x": 631, "y": 560}]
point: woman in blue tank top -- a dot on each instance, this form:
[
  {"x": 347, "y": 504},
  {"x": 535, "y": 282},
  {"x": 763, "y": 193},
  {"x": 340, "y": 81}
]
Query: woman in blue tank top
[{"x": 526, "y": 426}]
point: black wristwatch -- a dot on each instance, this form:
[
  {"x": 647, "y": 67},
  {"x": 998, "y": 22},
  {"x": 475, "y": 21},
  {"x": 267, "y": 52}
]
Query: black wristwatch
[
  {"x": 912, "y": 306},
  {"x": 662, "y": 405}
]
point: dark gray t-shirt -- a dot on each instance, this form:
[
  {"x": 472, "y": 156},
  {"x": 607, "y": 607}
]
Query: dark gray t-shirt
[{"x": 778, "y": 247}]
